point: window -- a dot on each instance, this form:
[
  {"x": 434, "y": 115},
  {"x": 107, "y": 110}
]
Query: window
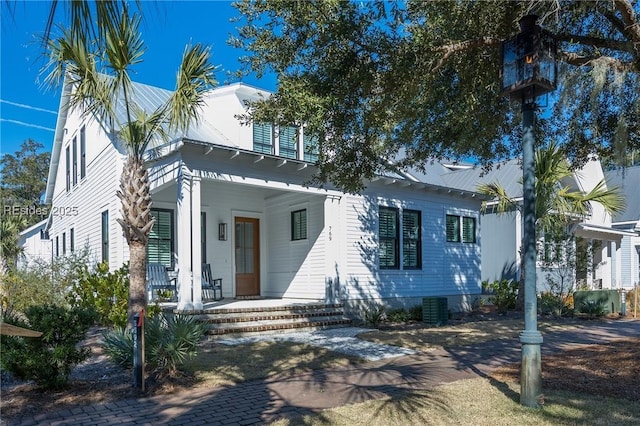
[
  {"x": 411, "y": 239},
  {"x": 460, "y": 229},
  {"x": 105, "y": 236},
  {"x": 71, "y": 240},
  {"x": 160, "y": 245},
  {"x": 64, "y": 243},
  {"x": 57, "y": 247},
  {"x": 83, "y": 154},
  {"x": 310, "y": 147},
  {"x": 288, "y": 142},
  {"x": 389, "y": 238},
  {"x": 468, "y": 229},
  {"x": 453, "y": 229},
  {"x": 75, "y": 161},
  {"x": 299, "y": 225},
  {"x": 263, "y": 138},
  {"x": 68, "y": 168}
]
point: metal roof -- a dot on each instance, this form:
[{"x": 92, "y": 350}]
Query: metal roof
[
  {"x": 508, "y": 174},
  {"x": 628, "y": 180}
]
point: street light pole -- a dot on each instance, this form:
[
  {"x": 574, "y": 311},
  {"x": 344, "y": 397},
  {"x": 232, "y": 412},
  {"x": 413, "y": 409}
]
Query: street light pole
[
  {"x": 530, "y": 338},
  {"x": 529, "y": 69}
]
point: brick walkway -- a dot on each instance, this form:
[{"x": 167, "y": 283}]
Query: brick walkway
[{"x": 261, "y": 401}]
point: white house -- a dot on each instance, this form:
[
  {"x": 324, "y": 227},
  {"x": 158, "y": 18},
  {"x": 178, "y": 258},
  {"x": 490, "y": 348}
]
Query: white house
[
  {"x": 502, "y": 233},
  {"x": 237, "y": 197},
  {"x": 35, "y": 244},
  {"x": 629, "y": 220}
]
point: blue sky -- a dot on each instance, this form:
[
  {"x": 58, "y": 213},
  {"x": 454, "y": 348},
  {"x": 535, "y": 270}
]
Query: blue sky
[{"x": 29, "y": 111}]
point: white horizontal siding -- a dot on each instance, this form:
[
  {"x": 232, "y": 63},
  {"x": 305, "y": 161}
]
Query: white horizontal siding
[
  {"x": 81, "y": 207},
  {"x": 447, "y": 268}
]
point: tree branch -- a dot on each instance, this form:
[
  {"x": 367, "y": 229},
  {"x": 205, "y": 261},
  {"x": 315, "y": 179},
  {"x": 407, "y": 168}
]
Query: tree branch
[
  {"x": 602, "y": 43},
  {"x": 579, "y": 61},
  {"x": 632, "y": 28},
  {"x": 450, "y": 49}
]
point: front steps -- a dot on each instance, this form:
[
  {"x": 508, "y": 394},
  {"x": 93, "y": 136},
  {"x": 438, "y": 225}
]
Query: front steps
[{"x": 258, "y": 320}]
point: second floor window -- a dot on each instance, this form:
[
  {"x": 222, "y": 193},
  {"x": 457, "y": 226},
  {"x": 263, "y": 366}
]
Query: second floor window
[
  {"x": 288, "y": 142},
  {"x": 263, "y": 138}
]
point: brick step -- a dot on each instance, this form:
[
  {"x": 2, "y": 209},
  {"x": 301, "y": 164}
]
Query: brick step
[
  {"x": 267, "y": 316},
  {"x": 225, "y": 321},
  {"x": 256, "y": 328},
  {"x": 287, "y": 308}
]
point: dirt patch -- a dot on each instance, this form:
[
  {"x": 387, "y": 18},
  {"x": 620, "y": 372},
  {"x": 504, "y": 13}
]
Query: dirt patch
[{"x": 607, "y": 369}]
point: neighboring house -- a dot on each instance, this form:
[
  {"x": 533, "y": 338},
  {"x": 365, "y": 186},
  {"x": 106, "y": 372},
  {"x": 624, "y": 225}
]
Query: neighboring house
[
  {"x": 502, "y": 233},
  {"x": 35, "y": 244},
  {"x": 629, "y": 220},
  {"x": 237, "y": 197}
]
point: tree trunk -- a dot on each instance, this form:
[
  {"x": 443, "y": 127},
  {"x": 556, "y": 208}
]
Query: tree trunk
[
  {"x": 136, "y": 223},
  {"x": 137, "y": 278}
]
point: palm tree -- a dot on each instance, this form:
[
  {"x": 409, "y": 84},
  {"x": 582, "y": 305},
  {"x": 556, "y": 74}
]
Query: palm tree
[
  {"x": 556, "y": 204},
  {"x": 99, "y": 72}
]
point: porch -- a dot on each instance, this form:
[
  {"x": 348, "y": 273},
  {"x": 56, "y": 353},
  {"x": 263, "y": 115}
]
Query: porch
[{"x": 247, "y": 215}]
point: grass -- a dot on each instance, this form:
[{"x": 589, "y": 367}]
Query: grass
[
  {"x": 218, "y": 364},
  {"x": 477, "y": 402},
  {"x": 468, "y": 333}
]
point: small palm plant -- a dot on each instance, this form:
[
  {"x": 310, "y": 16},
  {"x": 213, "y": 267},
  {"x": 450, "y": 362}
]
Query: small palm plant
[
  {"x": 98, "y": 75},
  {"x": 556, "y": 205}
]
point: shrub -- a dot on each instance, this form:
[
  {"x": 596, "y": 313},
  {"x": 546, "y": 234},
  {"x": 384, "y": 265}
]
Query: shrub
[
  {"x": 505, "y": 293},
  {"x": 105, "y": 292},
  {"x": 550, "y": 304},
  {"x": 415, "y": 313},
  {"x": 593, "y": 308},
  {"x": 49, "y": 359},
  {"x": 630, "y": 300},
  {"x": 41, "y": 283},
  {"x": 374, "y": 314},
  {"x": 398, "y": 315},
  {"x": 169, "y": 341}
]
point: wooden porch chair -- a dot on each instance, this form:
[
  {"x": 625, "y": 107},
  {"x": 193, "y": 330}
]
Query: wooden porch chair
[
  {"x": 158, "y": 280},
  {"x": 210, "y": 286}
]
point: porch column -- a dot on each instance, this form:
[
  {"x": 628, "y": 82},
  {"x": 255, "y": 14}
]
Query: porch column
[
  {"x": 614, "y": 264},
  {"x": 590, "y": 265},
  {"x": 183, "y": 221},
  {"x": 196, "y": 242}
]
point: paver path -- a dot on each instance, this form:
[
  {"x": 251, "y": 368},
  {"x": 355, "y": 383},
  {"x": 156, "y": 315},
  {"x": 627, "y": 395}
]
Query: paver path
[{"x": 261, "y": 401}]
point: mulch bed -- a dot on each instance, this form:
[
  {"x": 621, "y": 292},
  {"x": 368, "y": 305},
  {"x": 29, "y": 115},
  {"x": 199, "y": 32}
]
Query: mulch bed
[{"x": 607, "y": 369}]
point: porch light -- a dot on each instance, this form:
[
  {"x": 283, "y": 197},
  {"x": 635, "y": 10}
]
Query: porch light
[
  {"x": 529, "y": 69},
  {"x": 222, "y": 231}
]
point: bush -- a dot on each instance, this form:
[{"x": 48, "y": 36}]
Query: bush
[
  {"x": 105, "y": 292},
  {"x": 505, "y": 293},
  {"x": 398, "y": 315},
  {"x": 415, "y": 313},
  {"x": 593, "y": 308},
  {"x": 550, "y": 304},
  {"x": 169, "y": 341},
  {"x": 41, "y": 283},
  {"x": 374, "y": 314},
  {"x": 49, "y": 359},
  {"x": 630, "y": 300}
]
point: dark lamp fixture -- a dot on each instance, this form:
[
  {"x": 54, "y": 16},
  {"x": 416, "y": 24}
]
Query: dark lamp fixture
[
  {"x": 222, "y": 231},
  {"x": 529, "y": 62}
]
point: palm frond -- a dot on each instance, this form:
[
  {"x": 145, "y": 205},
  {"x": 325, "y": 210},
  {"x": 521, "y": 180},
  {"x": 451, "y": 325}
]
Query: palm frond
[
  {"x": 195, "y": 78},
  {"x": 499, "y": 194}
]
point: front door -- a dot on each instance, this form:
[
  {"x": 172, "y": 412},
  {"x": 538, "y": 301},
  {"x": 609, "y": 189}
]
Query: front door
[{"x": 247, "y": 245}]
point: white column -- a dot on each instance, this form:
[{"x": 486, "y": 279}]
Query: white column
[
  {"x": 614, "y": 264},
  {"x": 590, "y": 266},
  {"x": 196, "y": 242},
  {"x": 183, "y": 220}
]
